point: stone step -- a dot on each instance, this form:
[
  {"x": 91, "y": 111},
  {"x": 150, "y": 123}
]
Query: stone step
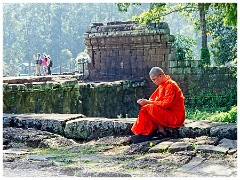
[{"x": 77, "y": 126}]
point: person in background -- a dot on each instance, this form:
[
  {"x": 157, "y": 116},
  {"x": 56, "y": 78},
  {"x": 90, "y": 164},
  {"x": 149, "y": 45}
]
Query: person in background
[
  {"x": 49, "y": 65},
  {"x": 38, "y": 63},
  {"x": 44, "y": 62}
]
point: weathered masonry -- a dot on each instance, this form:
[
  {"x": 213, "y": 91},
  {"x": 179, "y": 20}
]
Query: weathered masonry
[{"x": 125, "y": 50}]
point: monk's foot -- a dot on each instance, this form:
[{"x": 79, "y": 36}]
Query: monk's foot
[{"x": 161, "y": 130}]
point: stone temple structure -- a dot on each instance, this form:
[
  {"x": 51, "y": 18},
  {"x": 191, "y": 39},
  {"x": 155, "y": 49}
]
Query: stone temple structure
[{"x": 126, "y": 50}]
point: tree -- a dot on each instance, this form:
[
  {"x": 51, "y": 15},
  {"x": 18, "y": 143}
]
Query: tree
[
  {"x": 157, "y": 12},
  {"x": 29, "y": 28},
  {"x": 224, "y": 44}
]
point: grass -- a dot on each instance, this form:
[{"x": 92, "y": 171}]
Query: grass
[{"x": 213, "y": 114}]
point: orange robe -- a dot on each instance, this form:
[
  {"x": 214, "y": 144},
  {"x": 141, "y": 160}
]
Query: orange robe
[{"x": 167, "y": 109}]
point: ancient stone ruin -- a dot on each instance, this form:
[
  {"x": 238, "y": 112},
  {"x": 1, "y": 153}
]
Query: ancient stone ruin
[
  {"x": 58, "y": 111},
  {"x": 122, "y": 53},
  {"x": 126, "y": 50}
]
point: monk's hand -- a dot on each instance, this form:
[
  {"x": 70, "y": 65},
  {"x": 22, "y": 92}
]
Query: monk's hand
[
  {"x": 143, "y": 102},
  {"x": 139, "y": 101}
]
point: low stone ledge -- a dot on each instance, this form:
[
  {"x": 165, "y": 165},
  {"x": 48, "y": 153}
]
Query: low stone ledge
[
  {"x": 196, "y": 128},
  {"x": 228, "y": 131},
  {"x": 77, "y": 126},
  {"x": 54, "y": 123},
  {"x": 94, "y": 128}
]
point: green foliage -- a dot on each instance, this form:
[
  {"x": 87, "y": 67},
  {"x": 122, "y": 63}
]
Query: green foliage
[
  {"x": 213, "y": 114},
  {"x": 205, "y": 56},
  {"x": 54, "y": 28},
  {"x": 229, "y": 13},
  {"x": 224, "y": 44},
  {"x": 124, "y": 7},
  {"x": 229, "y": 117},
  {"x": 184, "y": 47}
]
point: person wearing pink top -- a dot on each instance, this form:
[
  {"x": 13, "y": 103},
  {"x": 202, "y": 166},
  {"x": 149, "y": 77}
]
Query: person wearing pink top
[{"x": 44, "y": 62}]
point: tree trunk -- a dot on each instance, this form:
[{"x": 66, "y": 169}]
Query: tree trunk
[
  {"x": 205, "y": 56},
  {"x": 202, "y": 12}
]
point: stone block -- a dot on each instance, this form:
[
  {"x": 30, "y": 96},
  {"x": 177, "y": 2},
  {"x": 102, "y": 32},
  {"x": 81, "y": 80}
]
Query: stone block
[
  {"x": 152, "y": 51},
  {"x": 164, "y": 38},
  {"x": 137, "y": 39},
  {"x": 179, "y": 146},
  {"x": 228, "y": 143},
  {"x": 7, "y": 121},
  {"x": 194, "y": 63},
  {"x": 211, "y": 149},
  {"x": 94, "y": 128},
  {"x": 177, "y": 70},
  {"x": 194, "y": 162},
  {"x": 150, "y": 39},
  {"x": 144, "y": 39},
  {"x": 161, "y": 147},
  {"x": 157, "y": 38},
  {"x": 228, "y": 131},
  {"x": 187, "y": 70},
  {"x": 196, "y": 128}
]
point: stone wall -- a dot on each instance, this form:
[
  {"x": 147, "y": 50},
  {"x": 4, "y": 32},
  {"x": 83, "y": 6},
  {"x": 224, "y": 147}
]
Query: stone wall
[
  {"x": 125, "y": 50},
  {"x": 65, "y": 95}
]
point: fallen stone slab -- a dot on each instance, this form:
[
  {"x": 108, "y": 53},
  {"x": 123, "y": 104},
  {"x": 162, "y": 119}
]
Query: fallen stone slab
[
  {"x": 180, "y": 146},
  {"x": 228, "y": 143},
  {"x": 213, "y": 168},
  {"x": 205, "y": 140},
  {"x": 194, "y": 162},
  {"x": 232, "y": 151},
  {"x": 211, "y": 149},
  {"x": 161, "y": 147}
]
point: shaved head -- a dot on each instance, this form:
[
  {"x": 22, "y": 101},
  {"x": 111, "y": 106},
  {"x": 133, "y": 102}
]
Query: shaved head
[{"x": 155, "y": 71}]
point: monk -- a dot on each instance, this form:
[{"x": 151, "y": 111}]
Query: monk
[{"x": 164, "y": 109}]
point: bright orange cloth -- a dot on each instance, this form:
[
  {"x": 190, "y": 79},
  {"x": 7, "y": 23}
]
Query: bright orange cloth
[{"x": 167, "y": 110}]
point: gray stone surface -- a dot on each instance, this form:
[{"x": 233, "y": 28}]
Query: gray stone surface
[
  {"x": 211, "y": 169},
  {"x": 161, "y": 147},
  {"x": 54, "y": 123},
  {"x": 206, "y": 140},
  {"x": 228, "y": 131},
  {"x": 195, "y": 161},
  {"x": 93, "y": 128},
  {"x": 228, "y": 143},
  {"x": 196, "y": 128},
  {"x": 212, "y": 149},
  {"x": 179, "y": 146}
]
